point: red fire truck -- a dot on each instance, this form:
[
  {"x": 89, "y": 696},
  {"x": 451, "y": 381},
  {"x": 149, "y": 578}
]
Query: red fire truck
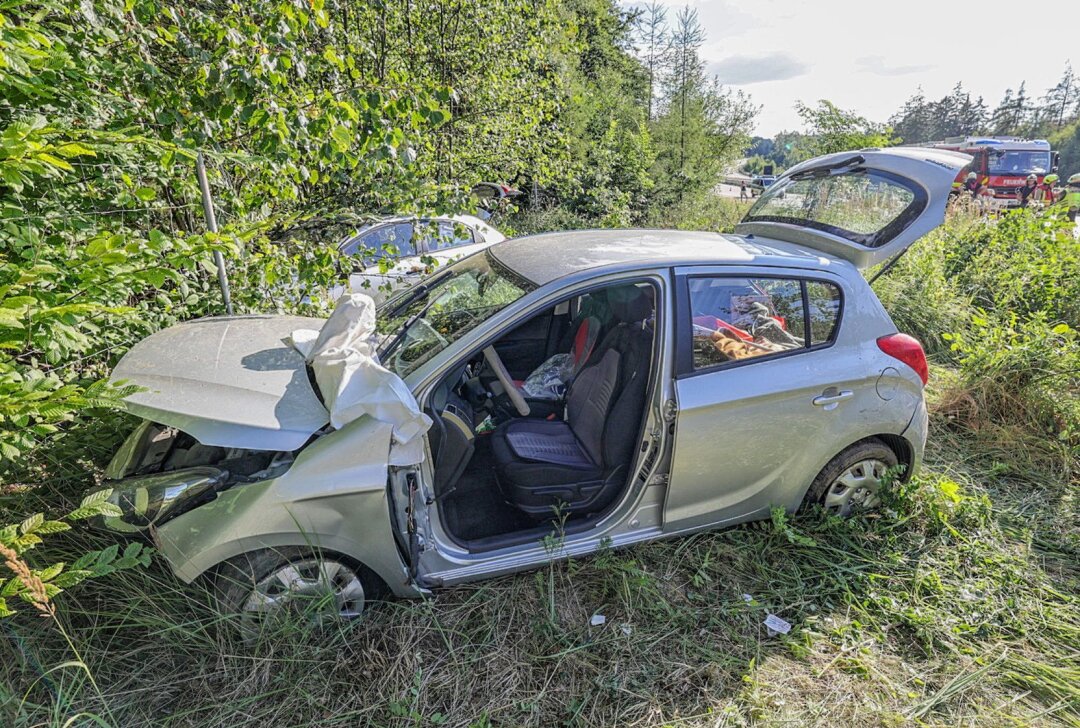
[{"x": 1001, "y": 163}]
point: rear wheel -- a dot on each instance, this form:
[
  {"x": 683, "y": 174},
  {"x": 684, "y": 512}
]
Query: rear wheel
[
  {"x": 852, "y": 480},
  {"x": 270, "y": 586}
]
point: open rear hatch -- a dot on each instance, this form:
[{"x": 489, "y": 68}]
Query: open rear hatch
[{"x": 864, "y": 207}]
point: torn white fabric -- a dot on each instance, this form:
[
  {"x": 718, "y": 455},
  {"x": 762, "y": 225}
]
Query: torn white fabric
[{"x": 352, "y": 381}]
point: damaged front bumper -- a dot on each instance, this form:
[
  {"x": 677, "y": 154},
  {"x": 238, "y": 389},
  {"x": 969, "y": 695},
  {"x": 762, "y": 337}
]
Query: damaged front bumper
[{"x": 160, "y": 472}]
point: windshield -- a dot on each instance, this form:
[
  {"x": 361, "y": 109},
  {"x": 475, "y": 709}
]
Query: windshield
[
  {"x": 422, "y": 322},
  {"x": 1019, "y": 163},
  {"x": 865, "y": 206}
]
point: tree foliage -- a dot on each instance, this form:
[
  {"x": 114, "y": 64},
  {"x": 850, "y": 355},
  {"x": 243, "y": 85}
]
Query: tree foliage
[
  {"x": 699, "y": 126},
  {"x": 831, "y": 129},
  {"x": 314, "y": 116},
  {"x": 1052, "y": 116}
]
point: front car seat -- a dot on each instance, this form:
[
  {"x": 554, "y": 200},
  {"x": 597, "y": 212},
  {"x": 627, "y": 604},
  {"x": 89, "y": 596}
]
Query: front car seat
[
  {"x": 580, "y": 464},
  {"x": 549, "y": 380}
]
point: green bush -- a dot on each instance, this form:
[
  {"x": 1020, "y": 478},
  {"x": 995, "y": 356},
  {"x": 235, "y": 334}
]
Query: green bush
[
  {"x": 1023, "y": 264},
  {"x": 37, "y": 587},
  {"x": 999, "y": 300}
]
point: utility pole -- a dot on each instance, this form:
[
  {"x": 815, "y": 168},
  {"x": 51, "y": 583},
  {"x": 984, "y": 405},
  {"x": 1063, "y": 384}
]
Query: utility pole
[{"x": 211, "y": 225}]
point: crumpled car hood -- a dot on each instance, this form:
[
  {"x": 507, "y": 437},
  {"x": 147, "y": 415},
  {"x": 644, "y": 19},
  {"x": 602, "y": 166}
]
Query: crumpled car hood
[{"x": 228, "y": 381}]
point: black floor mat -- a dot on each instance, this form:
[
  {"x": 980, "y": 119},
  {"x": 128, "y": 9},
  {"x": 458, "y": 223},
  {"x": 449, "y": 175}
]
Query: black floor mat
[{"x": 476, "y": 509}]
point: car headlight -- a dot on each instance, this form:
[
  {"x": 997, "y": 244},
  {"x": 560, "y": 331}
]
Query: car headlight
[{"x": 147, "y": 500}]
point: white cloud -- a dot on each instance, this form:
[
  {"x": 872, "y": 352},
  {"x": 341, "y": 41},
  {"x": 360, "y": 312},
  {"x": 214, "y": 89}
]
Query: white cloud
[
  {"x": 745, "y": 70},
  {"x": 878, "y": 66}
]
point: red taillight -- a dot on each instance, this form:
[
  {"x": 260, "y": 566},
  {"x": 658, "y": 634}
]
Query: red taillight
[{"x": 908, "y": 350}]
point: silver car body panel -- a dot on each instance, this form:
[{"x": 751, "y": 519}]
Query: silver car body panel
[
  {"x": 582, "y": 254},
  {"x": 932, "y": 169},
  {"x": 744, "y": 445},
  {"x": 704, "y": 483},
  {"x": 228, "y": 381},
  {"x": 722, "y": 446},
  {"x": 333, "y": 498}
]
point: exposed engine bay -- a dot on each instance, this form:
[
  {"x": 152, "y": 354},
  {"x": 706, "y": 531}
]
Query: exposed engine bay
[{"x": 154, "y": 448}]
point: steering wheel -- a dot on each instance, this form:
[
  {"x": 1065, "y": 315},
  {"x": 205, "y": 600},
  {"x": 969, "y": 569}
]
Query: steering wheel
[{"x": 493, "y": 360}]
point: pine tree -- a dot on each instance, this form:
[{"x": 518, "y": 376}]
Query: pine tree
[
  {"x": 688, "y": 74},
  {"x": 654, "y": 49},
  {"x": 912, "y": 122},
  {"x": 1058, "y": 98},
  {"x": 1001, "y": 120}
]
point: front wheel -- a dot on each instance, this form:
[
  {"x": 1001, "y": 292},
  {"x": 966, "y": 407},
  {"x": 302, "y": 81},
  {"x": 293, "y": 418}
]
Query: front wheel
[
  {"x": 271, "y": 585},
  {"x": 852, "y": 480}
]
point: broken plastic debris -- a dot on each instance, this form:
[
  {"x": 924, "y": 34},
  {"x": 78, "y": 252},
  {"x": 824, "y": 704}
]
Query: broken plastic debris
[
  {"x": 597, "y": 620},
  {"x": 626, "y": 629},
  {"x": 776, "y": 626},
  {"x": 747, "y": 598}
]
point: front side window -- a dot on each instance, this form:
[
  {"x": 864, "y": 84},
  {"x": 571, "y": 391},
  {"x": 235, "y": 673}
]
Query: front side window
[
  {"x": 394, "y": 240},
  {"x": 735, "y": 319},
  {"x": 865, "y": 206},
  {"x": 426, "y": 320}
]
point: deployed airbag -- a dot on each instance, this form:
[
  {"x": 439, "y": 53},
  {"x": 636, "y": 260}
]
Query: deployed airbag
[{"x": 352, "y": 381}]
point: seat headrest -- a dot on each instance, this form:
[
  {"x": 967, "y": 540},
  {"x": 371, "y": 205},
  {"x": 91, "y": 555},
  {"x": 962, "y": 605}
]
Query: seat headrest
[{"x": 629, "y": 304}]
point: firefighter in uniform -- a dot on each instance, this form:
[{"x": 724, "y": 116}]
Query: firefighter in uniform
[
  {"x": 1024, "y": 194},
  {"x": 1071, "y": 197},
  {"x": 1045, "y": 192}
]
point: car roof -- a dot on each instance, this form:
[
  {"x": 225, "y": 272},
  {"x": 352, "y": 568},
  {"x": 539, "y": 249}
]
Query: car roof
[
  {"x": 470, "y": 219},
  {"x": 547, "y": 257}
]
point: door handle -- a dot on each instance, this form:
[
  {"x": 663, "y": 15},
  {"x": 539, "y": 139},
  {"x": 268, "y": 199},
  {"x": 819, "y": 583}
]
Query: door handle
[{"x": 830, "y": 398}]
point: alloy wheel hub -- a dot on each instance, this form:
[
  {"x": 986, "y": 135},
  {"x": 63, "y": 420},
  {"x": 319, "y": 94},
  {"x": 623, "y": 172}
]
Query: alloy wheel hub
[
  {"x": 856, "y": 488},
  {"x": 324, "y": 589}
]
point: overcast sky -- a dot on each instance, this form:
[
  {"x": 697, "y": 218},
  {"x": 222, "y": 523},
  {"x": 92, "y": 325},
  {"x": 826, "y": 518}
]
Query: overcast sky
[{"x": 871, "y": 56}]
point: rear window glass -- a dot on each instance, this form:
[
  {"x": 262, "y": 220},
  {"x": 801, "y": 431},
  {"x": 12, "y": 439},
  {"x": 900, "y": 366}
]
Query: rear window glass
[
  {"x": 734, "y": 319},
  {"x": 864, "y": 206}
]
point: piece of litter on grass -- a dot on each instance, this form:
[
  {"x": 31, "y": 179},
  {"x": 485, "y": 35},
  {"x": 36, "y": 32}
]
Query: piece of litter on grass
[
  {"x": 626, "y": 629},
  {"x": 597, "y": 620},
  {"x": 776, "y": 626},
  {"x": 747, "y": 598}
]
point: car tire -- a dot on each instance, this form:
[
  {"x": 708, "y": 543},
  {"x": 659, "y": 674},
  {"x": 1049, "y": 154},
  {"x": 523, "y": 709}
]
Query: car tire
[
  {"x": 851, "y": 480},
  {"x": 269, "y": 584}
]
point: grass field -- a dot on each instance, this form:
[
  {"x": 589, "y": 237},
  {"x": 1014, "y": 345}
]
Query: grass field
[{"x": 958, "y": 604}]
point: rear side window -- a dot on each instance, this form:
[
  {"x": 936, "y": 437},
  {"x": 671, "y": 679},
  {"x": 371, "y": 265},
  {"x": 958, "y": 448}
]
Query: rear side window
[
  {"x": 736, "y": 319},
  {"x": 447, "y": 234},
  {"x": 823, "y": 305}
]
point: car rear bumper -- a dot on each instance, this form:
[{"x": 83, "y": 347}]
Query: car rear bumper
[{"x": 915, "y": 434}]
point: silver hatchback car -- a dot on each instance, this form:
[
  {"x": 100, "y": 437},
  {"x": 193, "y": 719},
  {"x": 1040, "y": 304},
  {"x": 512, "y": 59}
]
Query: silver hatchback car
[{"x": 588, "y": 388}]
